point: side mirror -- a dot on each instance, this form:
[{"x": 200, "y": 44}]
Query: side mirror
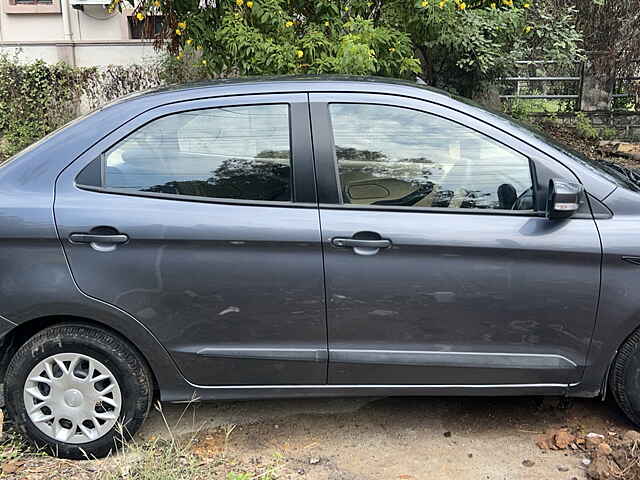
[{"x": 563, "y": 198}]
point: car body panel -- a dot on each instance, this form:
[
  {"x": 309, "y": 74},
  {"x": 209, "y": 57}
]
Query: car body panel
[
  {"x": 37, "y": 283},
  {"x": 233, "y": 290},
  {"x": 450, "y": 300},
  {"x": 619, "y": 309}
]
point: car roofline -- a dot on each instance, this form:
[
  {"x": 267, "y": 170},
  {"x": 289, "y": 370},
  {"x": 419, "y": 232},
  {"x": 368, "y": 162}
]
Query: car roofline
[{"x": 287, "y": 84}]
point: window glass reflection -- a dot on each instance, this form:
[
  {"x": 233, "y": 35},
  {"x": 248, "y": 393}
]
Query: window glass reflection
[
  {"x": 231, "y": 152},
  {"x": 396, "y": 156}
]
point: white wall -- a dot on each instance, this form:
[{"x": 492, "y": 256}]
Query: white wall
[{"x": 98, "y": 38}]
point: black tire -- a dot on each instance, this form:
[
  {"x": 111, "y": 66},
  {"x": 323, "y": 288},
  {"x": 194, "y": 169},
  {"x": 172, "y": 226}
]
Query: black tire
[
  {"x": 624, "y": 378},
  {"x": 129, "y": 369}
]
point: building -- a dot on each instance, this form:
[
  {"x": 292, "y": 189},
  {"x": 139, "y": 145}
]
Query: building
[{"x": 75, "y": 31}]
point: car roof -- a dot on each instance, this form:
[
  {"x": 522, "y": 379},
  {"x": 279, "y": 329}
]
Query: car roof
[{"x": 290, "y": 83}]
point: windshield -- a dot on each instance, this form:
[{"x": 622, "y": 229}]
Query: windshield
[{"x": 622, "y": 176}]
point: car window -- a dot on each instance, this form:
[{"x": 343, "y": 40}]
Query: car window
[
  {"x": 229, "y": 152},
  {"x": 390, "y": 155}
]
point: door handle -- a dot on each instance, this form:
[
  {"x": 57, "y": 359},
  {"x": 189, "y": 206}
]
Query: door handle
[
  {"x": 358, "y": 243},
  {"x": 93, "y": 238}
]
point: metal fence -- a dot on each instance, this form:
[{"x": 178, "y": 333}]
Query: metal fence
[{"x": 549, "y": 80}]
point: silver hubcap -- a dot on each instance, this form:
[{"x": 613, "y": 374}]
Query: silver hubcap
[{"x": 72, "y": 398}]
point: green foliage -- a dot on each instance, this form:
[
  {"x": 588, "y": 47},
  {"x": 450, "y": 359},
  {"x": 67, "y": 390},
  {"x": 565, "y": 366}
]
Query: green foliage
[
  {"x": 263, "y": 37},
  {"x": 584, "y": 127},
  {"x": 608, "y": 133},
  {"x": 463, "y": 48},
  {"x": 35, "y": 99},
  {"x": 522, "y": 109},
  {"x": 449, "y": 43}
]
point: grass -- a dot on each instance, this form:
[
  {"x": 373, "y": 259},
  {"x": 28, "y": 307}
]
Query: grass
[{"x": 169, "y": 458}]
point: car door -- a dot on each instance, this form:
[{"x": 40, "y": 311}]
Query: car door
[
  {"x": 441, "y": 269},
  {"x": 200, "y": 220}
]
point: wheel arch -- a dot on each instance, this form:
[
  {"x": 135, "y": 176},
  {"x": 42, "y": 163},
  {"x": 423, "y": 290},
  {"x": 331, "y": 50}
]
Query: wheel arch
[{"x": 152, "y": 353}]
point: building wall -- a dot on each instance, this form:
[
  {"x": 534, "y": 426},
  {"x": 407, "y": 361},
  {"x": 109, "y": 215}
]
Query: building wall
[{"x": 96, "y": 37}]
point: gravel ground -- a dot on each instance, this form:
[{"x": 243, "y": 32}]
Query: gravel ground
[{"x": 403, "y": 438}]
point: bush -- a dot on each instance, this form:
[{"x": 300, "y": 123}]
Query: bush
[
  {"x": 584, "y": 127},
  {"x": 35, "y": 99}
]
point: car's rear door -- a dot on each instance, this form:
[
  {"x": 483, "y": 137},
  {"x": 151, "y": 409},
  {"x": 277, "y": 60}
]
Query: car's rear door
[
  {"x": 200, "y": 220},
  {"x": 441, "y": 269}
]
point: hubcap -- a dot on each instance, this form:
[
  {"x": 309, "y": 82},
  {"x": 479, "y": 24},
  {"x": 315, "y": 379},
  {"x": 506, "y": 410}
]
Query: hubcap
[{"x": 72, "y": 398}]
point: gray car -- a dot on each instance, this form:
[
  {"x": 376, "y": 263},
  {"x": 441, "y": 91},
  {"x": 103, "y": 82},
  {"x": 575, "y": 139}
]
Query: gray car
[{"x": 307, "y": 237}]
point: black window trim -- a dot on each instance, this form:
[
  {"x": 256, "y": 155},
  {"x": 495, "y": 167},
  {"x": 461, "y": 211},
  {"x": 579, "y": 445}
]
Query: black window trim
[
  {"x": 302, "y": 177},
  {"x": 329, "y": 191}
]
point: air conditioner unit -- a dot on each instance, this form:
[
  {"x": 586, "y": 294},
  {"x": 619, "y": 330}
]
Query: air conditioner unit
[{"x": 81, "y": 3}]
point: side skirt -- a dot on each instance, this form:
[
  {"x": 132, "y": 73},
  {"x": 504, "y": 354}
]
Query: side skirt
[{"x": 200, "y": 393}]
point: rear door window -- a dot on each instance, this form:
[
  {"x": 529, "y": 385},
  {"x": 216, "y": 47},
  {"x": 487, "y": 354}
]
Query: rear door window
[{"x": 238, "y": 153}]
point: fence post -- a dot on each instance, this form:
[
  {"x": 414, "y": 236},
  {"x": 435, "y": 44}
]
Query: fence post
[{"x": 596, "y": 89}]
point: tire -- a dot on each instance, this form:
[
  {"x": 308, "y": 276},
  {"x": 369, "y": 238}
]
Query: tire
[
  {"x": 624, "y": 378},
  {"x": 70, "y": 372}
]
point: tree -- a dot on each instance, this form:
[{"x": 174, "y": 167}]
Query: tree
[
  {"x": 448, "y": 43},
  {"x": 261, "y": 37},
  {"x": 464, "y": 45},
  {"x": 611, "y": 32}
]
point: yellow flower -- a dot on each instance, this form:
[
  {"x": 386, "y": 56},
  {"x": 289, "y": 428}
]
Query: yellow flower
[
  {"x": 140, "y": 16},
  {"x": 462, "y": 6},
  {"x": 424, "y": 3},
  {"x": 346, "y": 9},
  {"x": 178, "y": 31},
  {"x": 326, "y": 24},
  {"x": 156, "y": 3},
  {"x": 199, "y": 47},
  {"x": 180, "y": 55},
  {"x": 493, "y": 5},
  {"x": 204, "y": 62},
  {"x": 392, "y": 49},
  {"x": 508, "y": 2},
  {"x": 182, "y": 25},
  {"x": 249, "y": 4},
  {"x": 527, "y": 29},
  {"x": 526, "y": 5},
  {"x": 189, "y": 41},
  {"x": 442, "y": 3},
  {"x": 299, "y": 53},
  {"x": 239, "y": 2},
  {"x": 289, "y": 24}
]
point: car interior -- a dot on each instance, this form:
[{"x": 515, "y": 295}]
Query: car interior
[{"x": 436, "y": 186}]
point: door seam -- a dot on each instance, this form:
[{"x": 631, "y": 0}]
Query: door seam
[{"x": 322, "y": 247}]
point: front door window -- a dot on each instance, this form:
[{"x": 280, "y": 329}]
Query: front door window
[{"x": 396, "y": 156}]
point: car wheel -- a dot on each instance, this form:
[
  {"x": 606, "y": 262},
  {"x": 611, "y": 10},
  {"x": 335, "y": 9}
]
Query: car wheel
[
  {"x": 624, "y": 378},
  {"x": 77, "y": 391}
]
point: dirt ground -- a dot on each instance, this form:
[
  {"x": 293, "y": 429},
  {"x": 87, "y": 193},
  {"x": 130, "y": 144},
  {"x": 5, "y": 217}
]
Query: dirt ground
[{"x": 396, "y": 438}]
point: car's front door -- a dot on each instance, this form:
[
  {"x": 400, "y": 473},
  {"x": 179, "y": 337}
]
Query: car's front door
[
  {"x": 200, "y": 220},
  {"x": 440, "y": 268}
]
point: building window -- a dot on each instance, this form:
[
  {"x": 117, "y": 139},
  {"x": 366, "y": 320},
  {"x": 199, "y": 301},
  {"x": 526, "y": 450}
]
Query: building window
[
  {"x": 32, "y": 6},
  {"x": 150, "y": 27}
]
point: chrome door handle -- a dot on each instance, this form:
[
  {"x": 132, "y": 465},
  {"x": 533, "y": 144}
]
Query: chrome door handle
[
  {"x": 104, "y": 239},
  {"x": 357, "y": 243}
]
